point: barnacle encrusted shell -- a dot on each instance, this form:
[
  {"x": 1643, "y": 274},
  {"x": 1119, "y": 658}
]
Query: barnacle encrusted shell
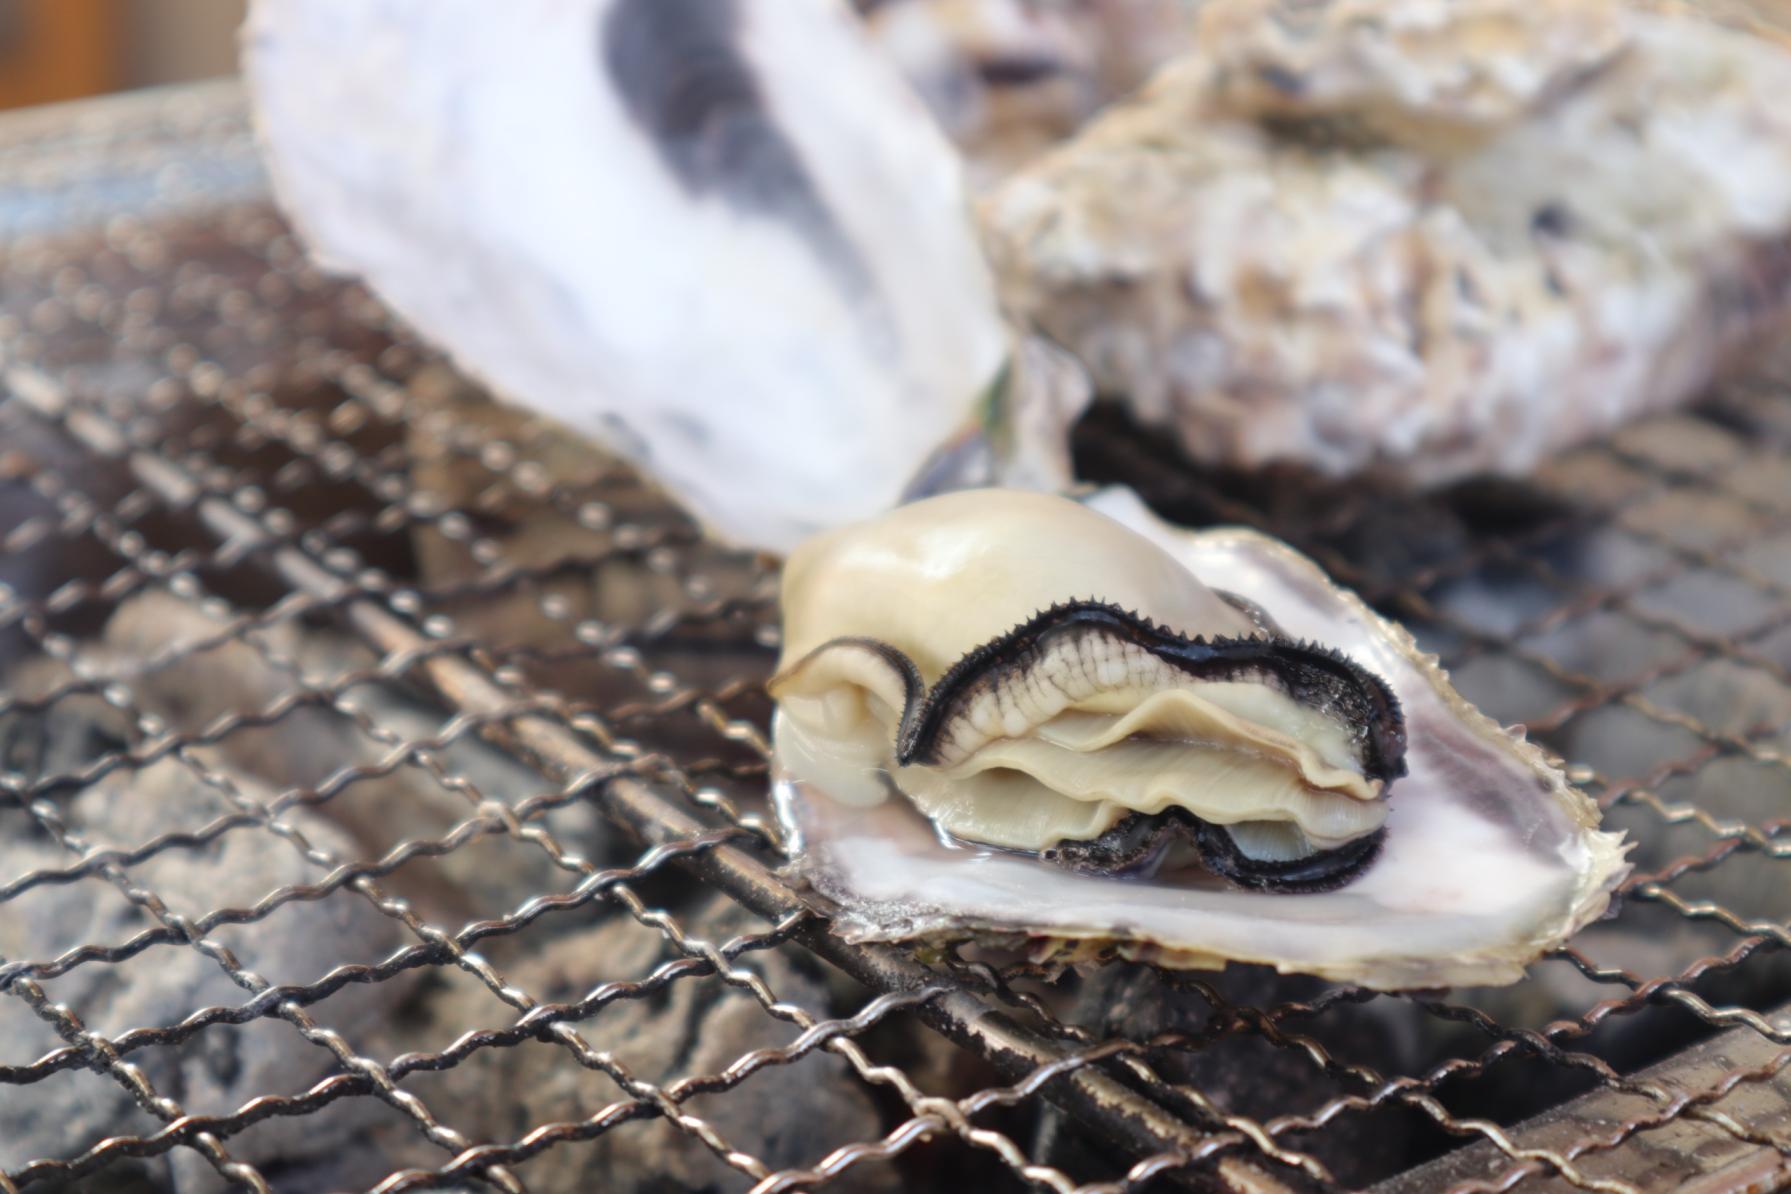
[
  {"x": 1426, "y": 237},
  {"x": 1488, "y": 857}
]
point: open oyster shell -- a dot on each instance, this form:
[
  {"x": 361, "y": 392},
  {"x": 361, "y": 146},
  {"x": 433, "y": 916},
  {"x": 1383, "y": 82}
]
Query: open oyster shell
[
  {"x": 722, "y": 237},
  {"x": 1486, "y": 858}
]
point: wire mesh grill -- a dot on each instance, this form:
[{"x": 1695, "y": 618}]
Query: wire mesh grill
[{"x": 381, "y": 788}]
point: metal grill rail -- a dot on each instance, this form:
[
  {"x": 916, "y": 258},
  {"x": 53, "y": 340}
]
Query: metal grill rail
[{"x": 190, "y": 415}]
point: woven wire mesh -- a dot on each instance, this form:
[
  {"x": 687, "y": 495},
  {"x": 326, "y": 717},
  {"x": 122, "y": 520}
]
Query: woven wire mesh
[{"x": 382, "y": 787}]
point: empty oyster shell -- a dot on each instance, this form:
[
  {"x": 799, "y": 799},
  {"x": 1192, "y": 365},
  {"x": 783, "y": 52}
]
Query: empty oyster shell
[
  {"x": 721, "y": 236},
  {"x": 965, "y": 747}
]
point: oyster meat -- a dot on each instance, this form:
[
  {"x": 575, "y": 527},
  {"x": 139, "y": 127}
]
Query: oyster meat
[{"x": 1011, "y": 714}]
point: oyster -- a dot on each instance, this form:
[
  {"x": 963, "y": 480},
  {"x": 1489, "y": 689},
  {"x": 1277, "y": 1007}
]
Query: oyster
[
  {"x": 1013, "y": 714},
  {"x": 1425, "y": 237}
]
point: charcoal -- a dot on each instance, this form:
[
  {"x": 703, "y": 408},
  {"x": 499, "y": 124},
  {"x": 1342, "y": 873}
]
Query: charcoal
[
  {"x": 223, "y": 1066},
  {"x": 786, "y": 1115}
]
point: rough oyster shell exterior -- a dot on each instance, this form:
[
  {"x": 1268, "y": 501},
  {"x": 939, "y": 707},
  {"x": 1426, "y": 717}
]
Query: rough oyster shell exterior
[{"x": 1433, "y": 236}]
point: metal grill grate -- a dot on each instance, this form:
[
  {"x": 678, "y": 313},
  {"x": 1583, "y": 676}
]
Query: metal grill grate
[{"x": 380, "y": 788}]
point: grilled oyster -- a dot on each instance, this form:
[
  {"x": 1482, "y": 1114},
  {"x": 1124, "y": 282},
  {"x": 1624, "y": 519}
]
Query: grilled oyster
[
  {"x": 1091, "y": 732},
  {"x": 1008, "y": 712},
  {"x": 1007, "y": 79}
]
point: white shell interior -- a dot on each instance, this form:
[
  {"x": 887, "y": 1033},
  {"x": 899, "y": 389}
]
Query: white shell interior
[
  {"x": 1490, "y": 858},
  {"x": 478, "y": 167}
]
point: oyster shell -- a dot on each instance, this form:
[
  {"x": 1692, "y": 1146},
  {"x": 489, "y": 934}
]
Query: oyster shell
[
  {"x": 1425, "y": 237},
  {"x": 720, "y": 236},
  {"x": 942, "y": 771}
]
